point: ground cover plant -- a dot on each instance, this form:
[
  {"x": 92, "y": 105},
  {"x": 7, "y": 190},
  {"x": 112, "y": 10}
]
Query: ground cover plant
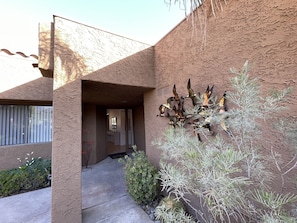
[
  {"x": 229, "y": 174},
  {"x": 31, "y": 175}
]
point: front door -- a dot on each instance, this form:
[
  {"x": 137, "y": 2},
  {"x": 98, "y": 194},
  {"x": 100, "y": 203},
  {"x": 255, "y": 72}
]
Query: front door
[{"x": 120, "y": 135}]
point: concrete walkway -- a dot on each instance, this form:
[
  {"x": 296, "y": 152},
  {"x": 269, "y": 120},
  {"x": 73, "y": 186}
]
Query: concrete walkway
[
  {"x": 104, "y": 199},
  {"x": 27, "y": 207}
]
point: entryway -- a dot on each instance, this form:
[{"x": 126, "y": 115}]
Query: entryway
[
  {"x": 112, "y": 120},
  {"x": 120, "y": 134}
]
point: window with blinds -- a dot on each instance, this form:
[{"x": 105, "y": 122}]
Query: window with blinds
[{"x": 25, "y": 124}]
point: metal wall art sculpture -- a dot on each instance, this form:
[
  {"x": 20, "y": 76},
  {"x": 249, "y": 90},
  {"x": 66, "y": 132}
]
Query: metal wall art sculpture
[{"x": 199, "y": 111}]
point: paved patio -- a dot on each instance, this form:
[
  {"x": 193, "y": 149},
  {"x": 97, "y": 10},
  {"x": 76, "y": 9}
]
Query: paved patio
[{"x": 104, "y": 199}]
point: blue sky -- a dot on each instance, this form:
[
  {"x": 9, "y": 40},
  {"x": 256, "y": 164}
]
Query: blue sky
[{"x": 143, "y": 20}]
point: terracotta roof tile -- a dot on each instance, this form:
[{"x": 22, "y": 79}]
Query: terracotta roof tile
[{"x": 19, "y": 53}]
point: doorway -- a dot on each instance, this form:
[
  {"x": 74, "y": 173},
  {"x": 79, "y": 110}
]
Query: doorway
[{"x": 120, "y": 134}]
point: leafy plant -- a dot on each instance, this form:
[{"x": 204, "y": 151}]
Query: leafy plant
[
  {"x": 10, "y": 182},
  {"x": 37, "y": 174},
  {"x": 171, "y": 210},
  {"x": 209, "y": 171},
  {"x": 274, "y": 203},
  {"x": 250, "y": 108},
  {"x": 222, "y": 171},
  {"x": 141, "y": 177},
  {"x": 288, "y": 128},
  {"x": 29, "y": 176}
]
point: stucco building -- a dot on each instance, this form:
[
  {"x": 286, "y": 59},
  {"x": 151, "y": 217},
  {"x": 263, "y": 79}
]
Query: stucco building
[{"x": 106, "y": 89}]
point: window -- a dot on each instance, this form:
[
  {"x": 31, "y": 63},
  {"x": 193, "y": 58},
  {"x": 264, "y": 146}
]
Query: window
[{"x": 25, "y": 124}]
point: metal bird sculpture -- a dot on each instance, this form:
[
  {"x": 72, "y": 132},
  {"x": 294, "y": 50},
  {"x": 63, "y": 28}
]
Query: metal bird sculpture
[
  {"x": 165, "y": 108},
  {"x": 201, "y": 117},
  {"x": 222, "y": 110},
  {"x": 206, "y": 96},
  {"x": 176, "y": 97},
  {"x": 192, "y": 95},
  {"x": 222, "y": 104},
  {"x": 178, "y": 106},
  {"x": 173, "y": 108}
]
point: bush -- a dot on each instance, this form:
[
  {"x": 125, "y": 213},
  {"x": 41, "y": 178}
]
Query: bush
[
  {"x": 9, "y": 182},
  {"x": 141, "y": 177},
  {"x": 28, "y": 177},
  {"x": 36, "y": 174}
]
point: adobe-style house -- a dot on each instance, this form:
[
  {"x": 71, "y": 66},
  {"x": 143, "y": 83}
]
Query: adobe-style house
[{"x": 106, "y": 89}]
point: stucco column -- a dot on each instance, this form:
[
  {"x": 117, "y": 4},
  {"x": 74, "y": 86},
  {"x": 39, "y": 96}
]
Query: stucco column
[{"x": 66, "y": 151}]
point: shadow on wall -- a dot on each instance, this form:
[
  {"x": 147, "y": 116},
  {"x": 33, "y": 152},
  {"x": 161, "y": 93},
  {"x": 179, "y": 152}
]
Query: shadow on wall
[
  {"x": 69, "y": 65},
  {"x": 56, "y": 56},
  {"x": 72, "y": 50},
  {"x": 136, "y": 69}
]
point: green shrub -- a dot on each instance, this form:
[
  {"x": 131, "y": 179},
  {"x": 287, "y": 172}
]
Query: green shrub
[
  {"x": 36, "y": 174},
  {"x": 30, "y": 176},
  {"x": 141, "y": 177},
  {"x": 9, "y": 182}
]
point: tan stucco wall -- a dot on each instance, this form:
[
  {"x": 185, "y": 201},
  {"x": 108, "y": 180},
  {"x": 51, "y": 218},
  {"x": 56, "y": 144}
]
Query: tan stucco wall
[
  {"x": 101, "y": 56},
  {"x": 9, "y": 154},
  {"x": 135, "y": 70},
  {"x": 259, "y": 31},
  {"x": 138, "y": 127},
  {"x": 66, "y": 151},
  {"x": 67, "y": 136},
  {"x": 36, "y": 92}
]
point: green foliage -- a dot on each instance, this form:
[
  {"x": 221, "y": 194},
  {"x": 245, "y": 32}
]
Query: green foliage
[
  {"x": 171, "y": 210},
  {"x": 209, "y": 171},
  {"x": 273, "y": 201},
  {"x": 141, "y": 177},
  {"x": 30, "y": 176},
  {"x": 221, "y": 171},
  {"x": 10, "y": 182},
  {"x": 274, "y": 204},
  {"x": 288, "y": 127}
]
